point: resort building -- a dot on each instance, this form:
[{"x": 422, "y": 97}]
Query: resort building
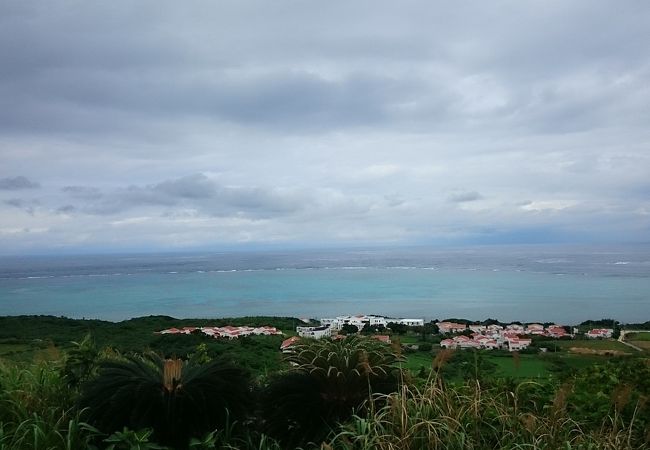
[
  {"x": 516, "y": 328},
  {"x": 320, "y": 332},
  {"x": 360, "y": 321},
  {"x": 556, "y": 331},
  {"x": 515, "y": 344},
  {"x": 408, "y": 322},
  {"x": 463, "y": 342},
  {"x": 451, "y": 327},
  {"x": 600, "y": 333},
  {"x": 535, "y": 328}
]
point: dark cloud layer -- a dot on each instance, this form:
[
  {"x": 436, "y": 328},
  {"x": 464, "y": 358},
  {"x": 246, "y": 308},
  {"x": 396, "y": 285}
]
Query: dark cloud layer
[
  {"x": 334, "y": 122},
  {"x": 16, "y": 183},
  {"x": 194, "y": 191}
]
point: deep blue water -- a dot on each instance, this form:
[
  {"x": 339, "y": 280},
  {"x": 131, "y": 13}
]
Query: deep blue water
[{"x": 540, "y": 283}]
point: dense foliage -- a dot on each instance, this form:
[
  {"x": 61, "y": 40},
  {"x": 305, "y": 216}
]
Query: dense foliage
[
  {"x": 329, "y": 382},
  {"x": 355, "y": 393},
  {"x": 176, "y": 400}
]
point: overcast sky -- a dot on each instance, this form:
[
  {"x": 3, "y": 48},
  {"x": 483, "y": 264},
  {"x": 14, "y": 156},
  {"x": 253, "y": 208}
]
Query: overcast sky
[{"x": 168, "y": 125}]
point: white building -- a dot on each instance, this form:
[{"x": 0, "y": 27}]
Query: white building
[
  {"x": 362, "y": 320},
  {"x": 408, "y": 322},
  {"x": 315, "y": 332}
]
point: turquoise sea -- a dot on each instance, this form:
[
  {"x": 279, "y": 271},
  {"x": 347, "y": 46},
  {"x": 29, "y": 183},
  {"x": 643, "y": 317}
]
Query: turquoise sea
[{"x": 528, "y": 283}]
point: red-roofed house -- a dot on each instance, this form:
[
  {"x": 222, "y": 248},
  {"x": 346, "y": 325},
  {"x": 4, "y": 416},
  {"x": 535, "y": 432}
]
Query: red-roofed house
[
  {"x": 451, "y": 327},
  {"x": 448, "y": 343},
  {"x": 515, "y": 344},
  {"x": 171, "y": 331},
  {"x": 600, "y": 333},
  {"x": 288, "y": 344},
  {"x": 556, "y": 331}
]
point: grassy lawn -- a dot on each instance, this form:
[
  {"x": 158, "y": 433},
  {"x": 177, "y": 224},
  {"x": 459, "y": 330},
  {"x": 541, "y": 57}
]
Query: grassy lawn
[
  {"x": 418, "y": 359},
  {"x": 26, "y": 353},
  {"x": 637, "y": 337},
  {"x": 574, "y": 361},
  {"x": 407, "y": 339},
  {"x": 529, "y": 366},
  {"x": 7, "y": 349},
  {"x": 594, "y": 344}
]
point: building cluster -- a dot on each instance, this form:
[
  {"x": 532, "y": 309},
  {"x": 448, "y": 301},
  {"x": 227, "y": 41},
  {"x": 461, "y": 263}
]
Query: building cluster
[
  {"x": 507, "y": 341},
  {"x": 329, "y": 326},
  {"x": 362, "y": 320},
  {"x": 536, "y": 329},
  {"x": 228, "y": 332},
  {"x": 509, "y": 337}
]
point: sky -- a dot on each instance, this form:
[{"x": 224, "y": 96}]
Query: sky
[{"x": 164, "y": 125}]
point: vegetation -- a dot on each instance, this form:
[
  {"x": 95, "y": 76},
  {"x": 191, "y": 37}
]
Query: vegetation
[
  {"x": 187, "y": 392},
  {"x": 330, "y": 381},
  {"x": 176, "y": 400},
  {"x": 638, "y": 337}
]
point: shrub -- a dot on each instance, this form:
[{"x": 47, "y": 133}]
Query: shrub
[{"x": 330, "y": 381}]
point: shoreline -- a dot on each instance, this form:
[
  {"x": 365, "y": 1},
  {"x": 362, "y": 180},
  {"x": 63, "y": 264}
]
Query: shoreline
[{"x": 614, "y": 322}]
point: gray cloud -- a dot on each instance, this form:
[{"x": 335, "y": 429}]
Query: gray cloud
[
  {"x": 84, "y": 192},
  {"x": 462, "y": 197},
  {"x": 16, "y": 183},
  {"x": 330, "y": 123},
  {"x": 26, "y": 205},
  {"x": 194, "y": 191}
]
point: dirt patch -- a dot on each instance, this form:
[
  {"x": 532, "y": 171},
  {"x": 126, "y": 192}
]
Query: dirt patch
[
  {"x": 593, "y": 351},
  {"x": 641, "y": 344}
]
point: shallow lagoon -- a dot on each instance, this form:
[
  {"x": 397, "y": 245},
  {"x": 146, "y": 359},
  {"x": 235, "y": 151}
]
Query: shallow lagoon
[{"x": 509, "y": 283}]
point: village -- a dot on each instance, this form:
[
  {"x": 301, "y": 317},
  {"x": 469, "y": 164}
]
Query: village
[{"x": 512, "y": 337}]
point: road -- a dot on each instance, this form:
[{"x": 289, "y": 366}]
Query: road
[{"x": 621, "y": 338}]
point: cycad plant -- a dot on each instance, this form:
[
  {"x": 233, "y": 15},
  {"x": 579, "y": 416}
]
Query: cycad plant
[
  {"x": 178, "y": 401},
  {"x": 330, "y": 381}
]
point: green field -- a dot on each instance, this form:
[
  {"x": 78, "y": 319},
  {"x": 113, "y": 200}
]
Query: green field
[
  {"x": 418, "y": 359},
  {"x": 10, "y": 349},
  {"x": 527, "y": 366},
  {"x": 637, "y": 337},
  {"x": 593, "y": 344}
]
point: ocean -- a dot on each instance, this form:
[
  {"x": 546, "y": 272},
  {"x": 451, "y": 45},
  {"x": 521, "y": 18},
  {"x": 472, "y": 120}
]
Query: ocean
[{"x": 528, "y": 283}]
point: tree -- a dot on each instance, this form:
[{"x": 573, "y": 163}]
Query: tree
[
  {"x": 426, "y": 331},
  {"x": 398, "y": 328},
  {"x": 349, "y": 329},
  {"x": 178, "y": 401},
  {"x": 331, "y": 380},
  {"x": 372, "y": 329}
]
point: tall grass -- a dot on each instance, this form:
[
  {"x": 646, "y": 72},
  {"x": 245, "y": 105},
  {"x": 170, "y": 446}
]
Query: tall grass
[
  {"x": 602, "y": 407},
  {"x": 472, "y": 416},
  {"x": 37, "y": 410}
]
